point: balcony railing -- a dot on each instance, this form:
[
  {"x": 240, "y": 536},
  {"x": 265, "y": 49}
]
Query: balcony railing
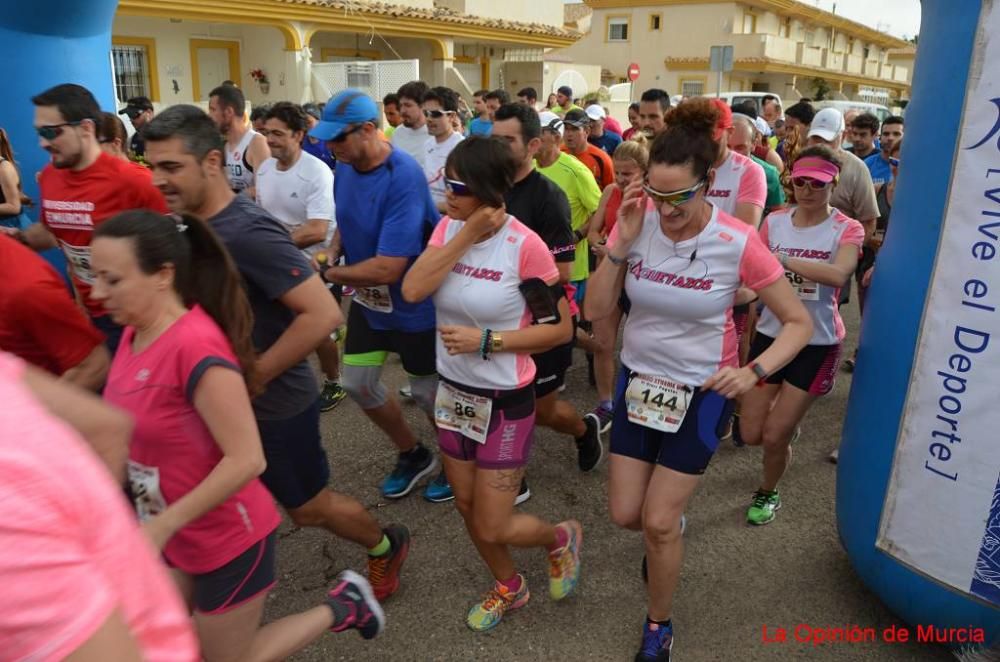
[
  {"x": 853, "y": 64},
  {"x": 809, "y": 56}
]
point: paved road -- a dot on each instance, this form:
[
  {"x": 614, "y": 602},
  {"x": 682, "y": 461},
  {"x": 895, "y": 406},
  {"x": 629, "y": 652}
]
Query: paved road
[{"x": 735, "y": 579}]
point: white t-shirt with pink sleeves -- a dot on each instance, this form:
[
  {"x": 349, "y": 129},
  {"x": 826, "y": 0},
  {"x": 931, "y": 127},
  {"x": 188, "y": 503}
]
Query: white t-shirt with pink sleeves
[
  {"x": 820, "y": 243},
  {"x": 482, "y": 291},
  {"x": 71, "y": 552},
  {"x": 680, "y": 325},
  {"x": 737, "y": 180}
]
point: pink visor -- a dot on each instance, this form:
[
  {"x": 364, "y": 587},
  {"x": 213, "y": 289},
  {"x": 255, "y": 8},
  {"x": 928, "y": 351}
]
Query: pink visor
[{"x": 816, "y": 168}]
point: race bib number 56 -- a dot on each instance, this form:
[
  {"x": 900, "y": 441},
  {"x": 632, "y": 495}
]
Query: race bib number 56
[
  {"x": 805, "y": 289},
  {"x": 657, "y": 402}
]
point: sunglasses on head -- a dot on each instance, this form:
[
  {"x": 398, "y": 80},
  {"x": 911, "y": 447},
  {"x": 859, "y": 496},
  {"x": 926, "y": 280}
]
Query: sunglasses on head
[
  {"x": 814, "y": 184},
  {"x": 456, "y": 187},
  {"x": 894, "y": 162},
  {"x": 53, "y": 131},
  {"x": 342, "y": 136},
  {"x": 436, "y": 114},
  {"x": 672, "y": 198}
]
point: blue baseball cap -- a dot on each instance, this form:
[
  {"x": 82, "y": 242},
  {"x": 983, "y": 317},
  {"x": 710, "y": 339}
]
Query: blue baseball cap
[{"x": 341, "y": 111}]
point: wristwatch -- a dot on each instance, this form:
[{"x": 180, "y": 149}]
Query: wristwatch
[
  {"x": 497, "y": 345},
  {"x": 758, "y": 370}
]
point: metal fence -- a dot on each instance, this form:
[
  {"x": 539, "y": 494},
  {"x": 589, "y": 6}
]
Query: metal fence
[{"x": 376, "y": 78}]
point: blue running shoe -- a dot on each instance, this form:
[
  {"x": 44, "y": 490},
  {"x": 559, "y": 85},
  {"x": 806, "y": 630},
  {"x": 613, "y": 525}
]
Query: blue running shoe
[
  {"x": 657, "y": 641},
  {"x": 410, "y": 468},
  {"x": 438, "y": 490}
]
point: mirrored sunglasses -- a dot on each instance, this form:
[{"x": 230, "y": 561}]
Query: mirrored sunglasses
[
  {"x": 672, "y": 198},
  {"x": 53, "y": 131},
  {"x": 814, "y": 184}
]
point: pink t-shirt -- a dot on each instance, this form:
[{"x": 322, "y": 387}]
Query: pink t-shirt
[
  {"x": 482, "y": 291},
  {"x": 172, "y": 449},
  {"x": 820, "y": 243},
  {"x": 71, "y": 552},
  {"x": 738, "y": 180},
  {"x": 680, "y": 325}
]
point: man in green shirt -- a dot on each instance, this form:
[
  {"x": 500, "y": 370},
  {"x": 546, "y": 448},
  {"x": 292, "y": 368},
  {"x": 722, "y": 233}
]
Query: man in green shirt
[
  {"x": 577, "y": 182},
  {"x": 564, "y": 99}
]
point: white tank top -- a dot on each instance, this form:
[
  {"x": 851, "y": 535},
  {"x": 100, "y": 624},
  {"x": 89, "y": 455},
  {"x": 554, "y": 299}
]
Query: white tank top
[{"x": 240, "y": 172}]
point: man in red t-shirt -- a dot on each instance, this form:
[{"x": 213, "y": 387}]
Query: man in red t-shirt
[
  {"x": 81, "y": 187},
  {"x": 41, "y": 323},
  {"x": 576, "y": 125}
]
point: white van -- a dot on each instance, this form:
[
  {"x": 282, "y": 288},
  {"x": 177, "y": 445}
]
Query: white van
[
  {"x": 756, "y": 98},
  {"x": 878, "y": 110}
]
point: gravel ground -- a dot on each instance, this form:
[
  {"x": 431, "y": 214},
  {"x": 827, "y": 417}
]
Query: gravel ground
[{"x": 735, "y": 580}]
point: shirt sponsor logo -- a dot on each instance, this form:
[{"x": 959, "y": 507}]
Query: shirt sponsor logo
[
  {"x": 666, "y": 278},
  {"x": 718, "y": 193},
  {"x": 804, "y": 253},
  {"x": 69, "y": 214},
  {"x": 477, "y": 272}
]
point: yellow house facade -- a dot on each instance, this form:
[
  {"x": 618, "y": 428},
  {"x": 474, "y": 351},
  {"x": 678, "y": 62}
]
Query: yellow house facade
[
  {"x": 780, "y": 46},
  {"x": 176, "y": 51}
]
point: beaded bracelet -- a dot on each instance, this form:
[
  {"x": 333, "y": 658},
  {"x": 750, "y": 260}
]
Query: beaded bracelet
[{"x": 485, "y": 344}]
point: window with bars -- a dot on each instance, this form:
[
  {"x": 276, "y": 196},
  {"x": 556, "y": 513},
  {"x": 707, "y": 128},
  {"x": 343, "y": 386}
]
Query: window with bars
[
  {"x": 692, "y": 88},
  {"x": 618, "y": 29},
  {"x": 131, "y": 70}
]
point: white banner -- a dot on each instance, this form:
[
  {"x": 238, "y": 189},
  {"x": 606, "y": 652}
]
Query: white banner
[{"x": 942, "y": 511}]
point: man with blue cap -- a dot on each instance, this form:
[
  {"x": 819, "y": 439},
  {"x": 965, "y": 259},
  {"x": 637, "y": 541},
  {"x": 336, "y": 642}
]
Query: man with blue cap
[{"x": 385, "y": 215}]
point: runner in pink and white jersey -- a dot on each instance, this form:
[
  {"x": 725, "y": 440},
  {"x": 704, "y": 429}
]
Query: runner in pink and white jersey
[
  {"x": 182, "y": 370},
  {"x": 819, "y": 249},
  {"x": 740, "y": 185},
  {"x": 681, "y": 261},
  {"x": 498, "y": 301}
]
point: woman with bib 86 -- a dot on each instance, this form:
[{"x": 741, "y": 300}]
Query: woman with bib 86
[
  {"x": 681, "y": 261},
  {"x": 477, "y": 263}
]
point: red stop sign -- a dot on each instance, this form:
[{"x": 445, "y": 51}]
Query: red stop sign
[{"x": 633, "y": 71}]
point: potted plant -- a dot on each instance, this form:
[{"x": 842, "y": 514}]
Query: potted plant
[{"x": 262, "y": 80}]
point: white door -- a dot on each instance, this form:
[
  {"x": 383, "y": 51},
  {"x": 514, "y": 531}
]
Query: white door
[{"x": 213, "y": 68}]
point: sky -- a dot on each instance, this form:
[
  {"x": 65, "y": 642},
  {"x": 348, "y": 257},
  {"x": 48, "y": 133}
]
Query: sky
[{"x": 900, "y": 18}]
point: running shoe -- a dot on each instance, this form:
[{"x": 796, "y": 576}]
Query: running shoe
[
  {"x": 331, "y": 395},
  {"x": 589, "y": 449},
  {"x": 339, "y": 334},
  {"x": 410, "y": 468},
  {"x": 762, "y": 507},
  {"x": 438, "y": 490},
  {"x": 405, "y": 392},
  {"x": 834, "y": 456},
  {"x": 354, "y": 606},
  {"x": 524, "y": 494},
  {"x": 564, "y": 563},
  {"x": 850, "y": 364},
  {"x": 657, "y": 642},
  {"x": 605, "y": 417},
  {"x": 497, "y": 602},
  {"x": 383, "y": 571},
  {"x": 348, "y": 291}
]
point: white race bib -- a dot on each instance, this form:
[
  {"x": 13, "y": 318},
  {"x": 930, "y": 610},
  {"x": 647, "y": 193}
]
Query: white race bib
[
  {"x": 462, "y": 412},
  {"x": 144, "y": 483},
  {"x": 657, "y": 402},
  {"x": 805, "y": 289},
  {"x": 376, "y": 299},
  {"x": 78, "y": 258}
]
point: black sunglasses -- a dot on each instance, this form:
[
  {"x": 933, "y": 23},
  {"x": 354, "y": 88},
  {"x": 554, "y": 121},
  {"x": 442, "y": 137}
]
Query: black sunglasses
[
  {"x": 342, "y": 136},
  {"x": 53, "y": 131}
]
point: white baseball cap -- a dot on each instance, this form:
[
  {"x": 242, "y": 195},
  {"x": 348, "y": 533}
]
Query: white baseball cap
[
  {"x": 827, "y": 124},
  {"x": 550, "y": 120},
  {"x": 596, "y": 112},
  {"x": 762, "y": 126}
]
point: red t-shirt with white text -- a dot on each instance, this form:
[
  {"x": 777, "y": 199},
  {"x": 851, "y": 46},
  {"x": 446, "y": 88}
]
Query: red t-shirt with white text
[{"x": 74, "y": 203}]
